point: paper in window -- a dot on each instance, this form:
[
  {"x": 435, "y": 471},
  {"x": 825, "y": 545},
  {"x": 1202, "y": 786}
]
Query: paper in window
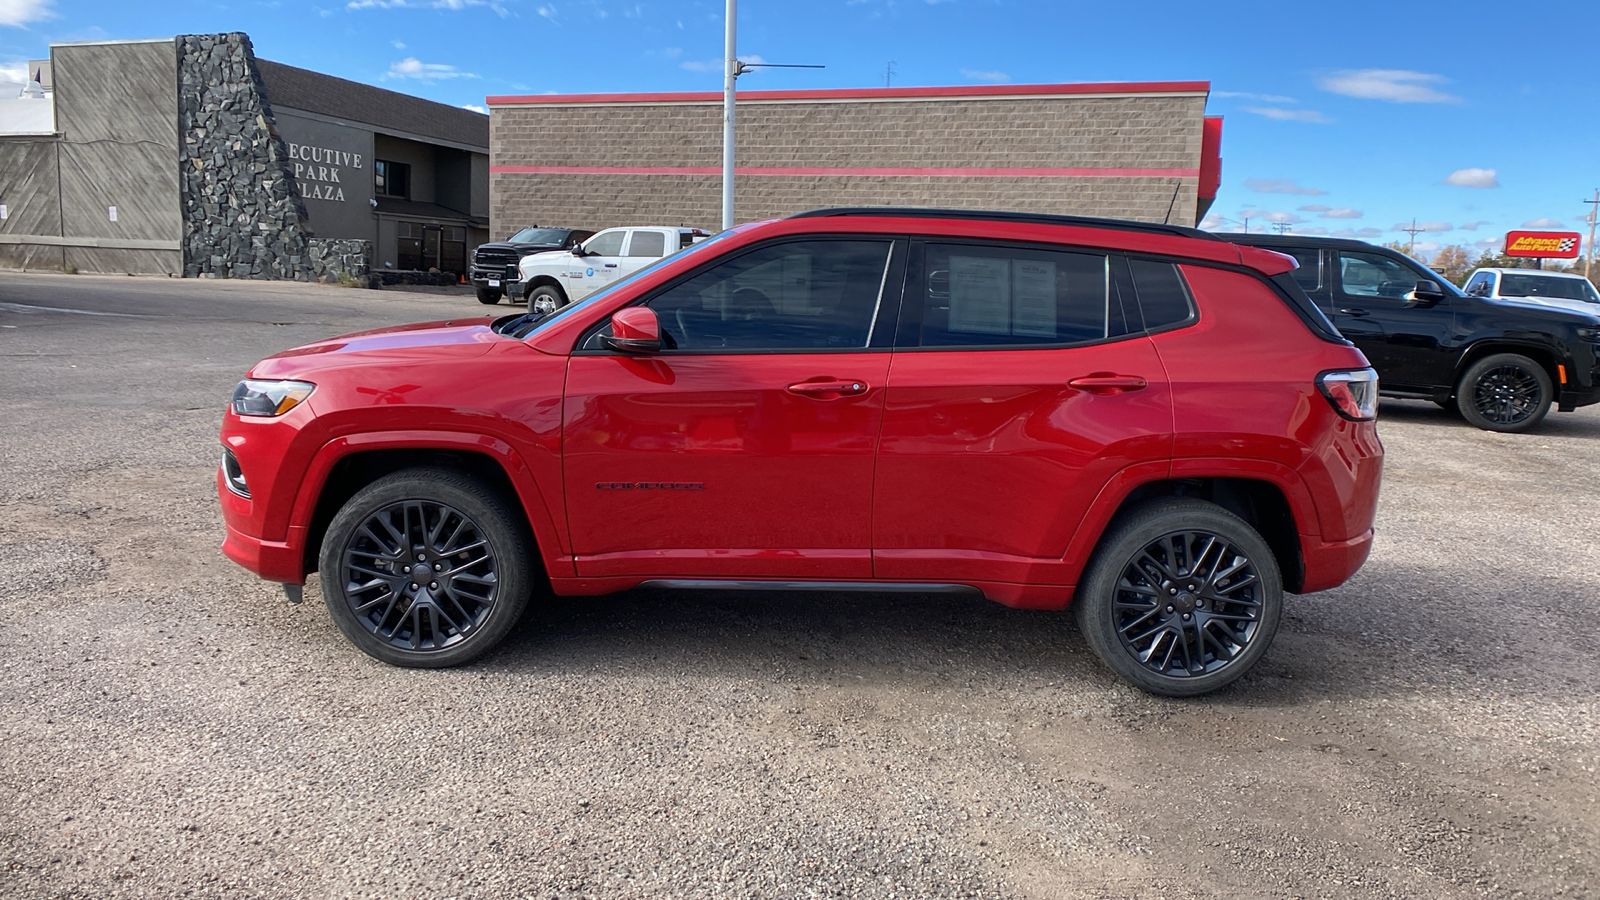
[
  {"x": 980, "y": 295},
  {"x": 1033, "y": 298}
]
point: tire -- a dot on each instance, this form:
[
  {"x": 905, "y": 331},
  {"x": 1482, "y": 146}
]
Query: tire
[
  {"x": 489, "y": 296},
  {"x": 1505, "y": 392},
  {"x": 1145, "y": 615},
  {"x": 426, "y": 518},
  {"x": 546, "y": 298}
]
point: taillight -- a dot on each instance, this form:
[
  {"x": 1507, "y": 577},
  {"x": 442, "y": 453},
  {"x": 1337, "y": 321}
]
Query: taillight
[{"x": 1353, "y": 392}]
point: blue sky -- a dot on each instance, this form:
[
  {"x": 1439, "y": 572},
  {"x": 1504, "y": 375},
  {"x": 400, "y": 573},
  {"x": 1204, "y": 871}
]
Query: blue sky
[{"x": 1347, "y": 118}]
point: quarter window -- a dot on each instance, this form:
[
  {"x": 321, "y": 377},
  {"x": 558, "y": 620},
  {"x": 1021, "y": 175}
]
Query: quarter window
[
  {"x": 800, "y": 295},
  {"x": 1162, "y": 294},
  {"x": 1309, "y": 275},
  {"x": 982, "y": 295}
]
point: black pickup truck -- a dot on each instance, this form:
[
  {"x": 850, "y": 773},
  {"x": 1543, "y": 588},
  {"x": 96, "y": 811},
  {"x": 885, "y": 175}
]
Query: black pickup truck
[{"x": 490, "y": 261}]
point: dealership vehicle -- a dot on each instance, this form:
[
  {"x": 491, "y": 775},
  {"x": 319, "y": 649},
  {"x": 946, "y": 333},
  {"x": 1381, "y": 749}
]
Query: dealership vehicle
[
  {"x": 551, "y": 281},
  {"x": 494, "y": 264},
  {"x": 1142, "y": 419},
  {"x": 1561, "y": 289},
  {"x": 1500, "y": 364}
]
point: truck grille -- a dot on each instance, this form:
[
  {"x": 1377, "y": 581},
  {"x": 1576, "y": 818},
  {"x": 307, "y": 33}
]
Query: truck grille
[{"x": 495, "y": 258}]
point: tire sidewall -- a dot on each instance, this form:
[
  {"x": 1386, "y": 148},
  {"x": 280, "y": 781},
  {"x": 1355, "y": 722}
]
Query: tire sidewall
[
  {"x": 1131, "y": 533},
  {"x": 1466, "y": 393},
  {"x": 489, "y": 296},
  {"x": 508, "y": 540},
  {"x": 557, "y": 299}
]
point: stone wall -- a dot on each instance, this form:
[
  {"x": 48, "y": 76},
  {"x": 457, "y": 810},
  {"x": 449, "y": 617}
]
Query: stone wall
[
  {"x": 242, "y": 215},
  {"x": 333, "y": 260}
]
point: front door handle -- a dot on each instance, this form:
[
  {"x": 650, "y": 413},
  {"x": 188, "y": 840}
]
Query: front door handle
[
  {"x": 1108, "y": 383},
  {"x": 611, "y": 265},
  {"x": 1351, "y": 311},
  {"x": 828, "y": 390}
]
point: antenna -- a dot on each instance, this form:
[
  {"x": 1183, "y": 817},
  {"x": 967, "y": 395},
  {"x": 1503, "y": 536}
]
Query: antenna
[{"x": 888, "y": 74}]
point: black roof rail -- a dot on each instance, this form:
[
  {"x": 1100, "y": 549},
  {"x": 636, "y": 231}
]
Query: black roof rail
[{"x": 998, "y": 216}]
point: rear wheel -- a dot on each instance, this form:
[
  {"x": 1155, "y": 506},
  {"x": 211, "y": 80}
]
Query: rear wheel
[
  {"x": 546, "y": 299},
  {"x": 1182, "y": 597},
  {"x": 1505, "y": 392},
  {"x": 426, "y": 568},
  {"x": 489, "y": 295}
]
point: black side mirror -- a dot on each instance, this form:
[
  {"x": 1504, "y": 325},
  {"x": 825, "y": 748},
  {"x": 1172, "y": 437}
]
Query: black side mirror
[{"x": 1427, "y": 293}]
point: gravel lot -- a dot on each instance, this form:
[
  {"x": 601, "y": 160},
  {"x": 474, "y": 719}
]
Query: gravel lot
[{"x": 172, "y": 726}]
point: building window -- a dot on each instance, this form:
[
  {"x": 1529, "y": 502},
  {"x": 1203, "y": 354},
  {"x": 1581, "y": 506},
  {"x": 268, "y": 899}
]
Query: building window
[{"x": 392, "y": 179}]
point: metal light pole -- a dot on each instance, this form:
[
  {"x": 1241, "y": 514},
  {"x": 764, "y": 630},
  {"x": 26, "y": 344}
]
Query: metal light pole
[
  {"x": 1594, "y": 207},
  {"x": 730, "y": 72}
]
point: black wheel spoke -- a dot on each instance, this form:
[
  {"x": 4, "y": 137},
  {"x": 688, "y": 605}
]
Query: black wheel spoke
[{"x": 1187, "y": 603}]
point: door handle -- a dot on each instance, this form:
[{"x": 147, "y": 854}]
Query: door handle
[
  {"x": 611, "y": 265},
  {"x": 827, "y": 390},
  {"x": 1107, "y": 383},
  {"x": 1358, "y": 313}
]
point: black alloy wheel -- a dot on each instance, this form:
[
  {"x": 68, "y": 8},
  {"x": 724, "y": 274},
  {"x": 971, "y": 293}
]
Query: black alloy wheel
[
  {"x": 425, "y": 568},
  {"x": 1505, "y": 392},
  {"x": 1182, "y": 598}
]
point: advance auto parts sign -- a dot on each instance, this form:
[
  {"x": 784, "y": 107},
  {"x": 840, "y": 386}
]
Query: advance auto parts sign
[{"x": 1543, "y": 244}]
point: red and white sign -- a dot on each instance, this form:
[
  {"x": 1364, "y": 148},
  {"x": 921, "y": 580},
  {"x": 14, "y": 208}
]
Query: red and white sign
[{"x": 1543, "y": 244}]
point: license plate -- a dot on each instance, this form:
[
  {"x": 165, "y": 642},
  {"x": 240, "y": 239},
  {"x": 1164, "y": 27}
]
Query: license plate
[{"x": 494, "y": 282}]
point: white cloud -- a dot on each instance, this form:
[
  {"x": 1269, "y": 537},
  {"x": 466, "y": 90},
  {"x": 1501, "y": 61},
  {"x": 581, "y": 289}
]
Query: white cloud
[
  {"x": 1473, "y": 178},
  {"x": 1289, "y": 115},
  {"x": 1280, "y": 186},
  {"x": 1391, "y": 85},
  {"x": 1343, "y": 212},
  {"x": 1283, "y": 217},
  {"x": 1315, "y": 208},
  {"x": 1422, "y": 226},
  {"x": 990, "y": 76},
  {"x": 1544, "y": 222},
  {"x": 421, "y": 4},
  {"x": 398, "y": 45},
  {"x": 716, "y": 65},
  {"x": 14, "y": 73},
  {"x": 411, "y": 67},
  {"x": 1473, "y": 226},
  {"x": 548, "y": 11},
  {"x": 473, "y": 107},
  {"x": 1211, "y": 223},
  {"x": 18, "y": 13},
  {"x": 1312, "y": 232},
  {"x": 1358, "y": 233},
  {"x": 1259, "y": 98}
]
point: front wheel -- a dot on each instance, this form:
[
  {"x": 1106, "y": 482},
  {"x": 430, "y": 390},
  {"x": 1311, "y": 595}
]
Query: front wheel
[
  {"x": 1505, "y": 392},
  {"x": 426, "y": 568},
  {"x": 546, "y": 299},
  {"x": 489, "y": 296},
  {"x": 1182, "y": 597}
]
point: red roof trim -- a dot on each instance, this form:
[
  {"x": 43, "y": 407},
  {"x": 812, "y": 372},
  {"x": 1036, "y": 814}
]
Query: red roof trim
[
  {"x": 906, "y": 93},
  {"x": 941, "y": 172}
]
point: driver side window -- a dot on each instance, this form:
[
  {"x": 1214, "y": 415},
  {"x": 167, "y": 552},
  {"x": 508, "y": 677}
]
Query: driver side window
[{"x": 1371, "y": 275}]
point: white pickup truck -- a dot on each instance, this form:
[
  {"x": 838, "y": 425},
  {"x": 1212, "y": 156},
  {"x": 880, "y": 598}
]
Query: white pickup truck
[{"x": 552, "y": 280}]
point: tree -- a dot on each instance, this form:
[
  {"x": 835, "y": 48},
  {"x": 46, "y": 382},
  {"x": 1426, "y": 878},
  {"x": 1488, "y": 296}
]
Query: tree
[
  {"x": 1453, "y": 263},
  {"x": 1400, "y": 247}
]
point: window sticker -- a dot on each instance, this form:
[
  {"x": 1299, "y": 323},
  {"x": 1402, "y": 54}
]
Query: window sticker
[
  {"x": 980, "y": 295},
  {"x": 1033, "y": 297}
]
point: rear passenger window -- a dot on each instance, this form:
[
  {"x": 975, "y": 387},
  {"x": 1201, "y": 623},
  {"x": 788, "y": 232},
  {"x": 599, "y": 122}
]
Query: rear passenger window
[
  {"x": 1309, "y": 275},
  {"x": 1162, "y": 293},
  {"x": 981, "y": 295},
  {"x": 648, "y": 243}
]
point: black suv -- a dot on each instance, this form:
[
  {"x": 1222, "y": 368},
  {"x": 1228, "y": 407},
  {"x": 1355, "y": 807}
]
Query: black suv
[
  {"x": 490, "y": 262},
  {"x": 1501, "y": 364}
]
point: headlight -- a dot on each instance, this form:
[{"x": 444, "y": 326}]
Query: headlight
[
  {"x": 269, "y": 398},
  {"x": 1590, "y": 334}
]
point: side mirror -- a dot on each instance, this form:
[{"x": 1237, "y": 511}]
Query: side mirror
[
  {"x": 1427, "y": 293},
  {"x": 577, "y": 250},
  {"x": 634, "y": 330}
]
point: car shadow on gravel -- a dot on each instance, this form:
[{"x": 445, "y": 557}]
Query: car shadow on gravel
[{"x": 1423, "y": 412}]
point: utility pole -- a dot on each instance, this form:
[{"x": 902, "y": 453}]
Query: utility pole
[
  {"x": 1246, "y": 224},
  {"x": 1594, "y": 207},
  {"x": 1413, "y": 231},
  {"x": 888, "y": 74},
  {"x": 730, "y": 72},
  {"x": 1280, "y": 227}
]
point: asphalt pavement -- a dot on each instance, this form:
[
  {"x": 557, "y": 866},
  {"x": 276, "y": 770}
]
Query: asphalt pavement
[{"x": 170, "y": 725}]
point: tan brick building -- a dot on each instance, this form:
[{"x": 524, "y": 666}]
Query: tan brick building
[{"x": 1142, "y": 151}]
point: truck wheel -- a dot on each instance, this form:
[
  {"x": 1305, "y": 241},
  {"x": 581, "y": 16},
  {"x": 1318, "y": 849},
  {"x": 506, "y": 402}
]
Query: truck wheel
[
  {"x": 546, "y": 298},
  {"x": 426, "y": 568},
  {"x": 1181, "y": 598},
  {"x": 1505, "y": 392},
  {"x": 489, "y": 296}
]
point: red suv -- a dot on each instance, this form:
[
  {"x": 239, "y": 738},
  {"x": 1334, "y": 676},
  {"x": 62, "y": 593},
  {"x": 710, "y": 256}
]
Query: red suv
[{"x": 1151, "y": 423}]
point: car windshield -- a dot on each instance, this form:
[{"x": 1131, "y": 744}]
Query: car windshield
[
  {"x": 528, "y": 323},
  {"x": 1522, "y": 285},
  {"x": 539, "y": 236}
]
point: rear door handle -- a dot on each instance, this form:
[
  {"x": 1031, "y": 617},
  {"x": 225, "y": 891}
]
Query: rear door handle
[
  {"x": 1358, "y": 313},
  {"x": 1107, "y": 383},
  {"x": 827, "y": 390}
]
